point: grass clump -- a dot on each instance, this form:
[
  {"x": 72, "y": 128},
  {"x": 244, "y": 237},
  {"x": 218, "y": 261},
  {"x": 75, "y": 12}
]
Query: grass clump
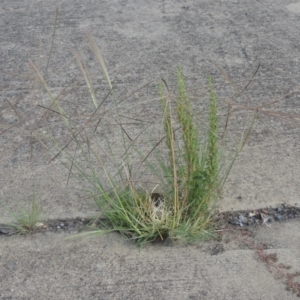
[
  {"x": 27, "y": 219},
  {"x": 189, "y": 178},
  {"x": 183, "y": 208}
]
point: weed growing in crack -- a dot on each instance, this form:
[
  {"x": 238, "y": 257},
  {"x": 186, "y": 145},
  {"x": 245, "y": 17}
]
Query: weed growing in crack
[
  {"x": 27, "y": 220},
  {"x": 188, "y": 179}
]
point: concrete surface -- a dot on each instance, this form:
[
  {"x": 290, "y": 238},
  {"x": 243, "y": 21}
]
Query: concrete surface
[
  {"x": 142, "y": 41},
  {"x": 48, "y": 267}
]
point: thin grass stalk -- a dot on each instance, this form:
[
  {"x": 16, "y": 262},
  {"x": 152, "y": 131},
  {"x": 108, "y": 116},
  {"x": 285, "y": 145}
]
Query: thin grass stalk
[
  {"x": 86, "y": 77},
  {"x": 53, "y": 99},
  {"x": 98, "y": 55},
  {"x": 212, "y": 158},
  {"x": 53, "y": 35},
  {"x": 168, "y": 127}
]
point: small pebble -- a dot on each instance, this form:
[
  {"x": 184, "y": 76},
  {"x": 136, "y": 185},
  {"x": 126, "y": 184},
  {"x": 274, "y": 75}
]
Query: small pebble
[
  {"x": 277, "y": 217},
  {"x": 251, "y": 221},
  {"x": 242, "y": 218},
  {"x": 58, "y": 227},
  {"x": 234, "y": 221}
]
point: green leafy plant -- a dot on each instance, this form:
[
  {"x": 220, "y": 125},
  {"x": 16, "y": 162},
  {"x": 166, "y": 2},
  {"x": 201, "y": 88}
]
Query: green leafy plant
[
  {"x": 188, "y": 179},
  {"x": 27, "y": 219}
]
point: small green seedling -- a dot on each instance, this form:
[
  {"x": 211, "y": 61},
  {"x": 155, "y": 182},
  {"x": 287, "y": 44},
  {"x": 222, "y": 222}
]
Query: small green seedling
[{"x": 27, "y": 220}]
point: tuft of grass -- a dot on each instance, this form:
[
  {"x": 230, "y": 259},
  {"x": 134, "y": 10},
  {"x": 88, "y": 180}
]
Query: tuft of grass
[
  {"x": 27, "y": 219},
  {"x": 194, "y": 168},
  {"x": 188, "y": 179},
  {"x": 181, "y": 210}
]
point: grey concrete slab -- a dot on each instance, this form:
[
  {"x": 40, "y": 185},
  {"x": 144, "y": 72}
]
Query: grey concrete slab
[
  {"x": 141, "y": 41},
  {"x": 46, "y": 266}
]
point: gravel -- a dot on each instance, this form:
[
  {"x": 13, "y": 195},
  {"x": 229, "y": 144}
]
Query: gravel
[{"x": 259, "y": 217}]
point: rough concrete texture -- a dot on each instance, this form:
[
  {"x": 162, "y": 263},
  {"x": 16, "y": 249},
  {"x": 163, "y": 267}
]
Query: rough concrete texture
[
  {"x": 47, "y": 267},
  {"x": 142, "y": 41}
]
